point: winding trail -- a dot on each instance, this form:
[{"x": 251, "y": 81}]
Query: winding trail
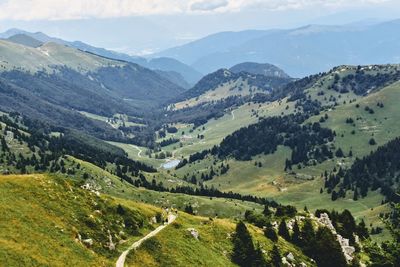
[
  {"x": 139, "y": 150},
  {"x": 233, "y": 114},
  {"x": 121, "y": 260}
]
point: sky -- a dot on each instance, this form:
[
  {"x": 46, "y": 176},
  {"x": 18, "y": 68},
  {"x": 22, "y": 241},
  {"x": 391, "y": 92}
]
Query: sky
[{"x": 144, "y": 26}]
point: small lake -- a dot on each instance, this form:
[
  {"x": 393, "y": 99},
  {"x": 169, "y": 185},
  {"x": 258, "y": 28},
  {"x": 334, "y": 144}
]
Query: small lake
[{"x": 171, "y": 164}]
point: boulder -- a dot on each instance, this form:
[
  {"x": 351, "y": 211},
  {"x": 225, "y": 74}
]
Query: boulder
[
  {"x": 88, "y": 242},
  {"x": 194, "y": 233}
]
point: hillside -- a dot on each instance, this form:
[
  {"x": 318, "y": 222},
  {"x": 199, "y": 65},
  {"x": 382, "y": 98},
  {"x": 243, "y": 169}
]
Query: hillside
[
  {"x": 65, "y": 80},
  {"x": 50, "y": 221},
  {"x": 300, "y": 51},
  {"x": 265, "y": 69},
  {"x": 224, "y": 83},
  {"x": 342, "y": 93},
  {"x": 76, "y": 225}
]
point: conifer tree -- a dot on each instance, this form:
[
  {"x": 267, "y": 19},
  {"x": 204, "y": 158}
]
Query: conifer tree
[
  {"x": 243, "y": 248},
  {"x": 328, "y": 252},
  {"x": 283, "y": 231},
  {"x": 276, "y": 257},
  {"x": 296, "y": 233}
]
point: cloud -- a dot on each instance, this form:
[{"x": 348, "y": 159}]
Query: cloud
[
  {"x": 207, "y": 5},
  {"x": 80, "y": 9}
]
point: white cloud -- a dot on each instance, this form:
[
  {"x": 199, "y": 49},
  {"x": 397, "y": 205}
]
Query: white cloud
[{"x": 77, "y": 9}]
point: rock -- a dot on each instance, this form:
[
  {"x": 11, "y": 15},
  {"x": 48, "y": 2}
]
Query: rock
[
  {"x": 290, "y": 257},
  {"x": 88, "y": 242},
  {"x": 285, "y": 262},
  {"x": 344, "y": 242},
  {"x": 324, "y": 220},
  {"x": 111, "y": 245},
  {"x": 302, "y": 264},
  {"x": 194, "y": 233}
]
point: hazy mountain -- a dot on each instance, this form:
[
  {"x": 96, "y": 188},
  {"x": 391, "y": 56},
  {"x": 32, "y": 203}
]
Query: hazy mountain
[
  {"x": 191, "y": 52},
  {"x": 265, "y": 69},
  {"x": 190, "y": 75},
  {"x": 25, "y": 40},
  {"x": 301, "y": 51},
  {"x": 174, "y": 77}
]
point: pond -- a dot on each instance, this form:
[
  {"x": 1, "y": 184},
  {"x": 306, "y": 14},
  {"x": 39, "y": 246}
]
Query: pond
[{"x": 171, "y": 164}]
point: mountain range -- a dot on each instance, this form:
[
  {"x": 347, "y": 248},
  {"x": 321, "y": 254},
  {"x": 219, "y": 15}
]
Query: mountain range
[
  {"x": 300, "y": 51},
  {"x": 167, "y": 65}
]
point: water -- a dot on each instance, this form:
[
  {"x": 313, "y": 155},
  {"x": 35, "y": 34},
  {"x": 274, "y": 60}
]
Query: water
[{"x": 171, "y": 164}]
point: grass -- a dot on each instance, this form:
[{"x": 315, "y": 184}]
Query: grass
[
  {"x": 238, "y": 87},
  {"x": 175, "y": 246},
  {"x": 115, "y": 121},
  {"x": 17, "y": 56},
  {"x": 205, "y": 206},
  {"x": 43, "y": 217}
]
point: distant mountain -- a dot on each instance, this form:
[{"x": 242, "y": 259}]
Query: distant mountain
[
  {"x": 169, "y": 64},
  {"x": 215, "y": 43},
  {"x": 24, "y": 40},
  {"x": 190, "y": 75},
  {"x": 265, "y": 69},
  {"x": 174, "y": 77},
  {"x": 300, "y": 52}
]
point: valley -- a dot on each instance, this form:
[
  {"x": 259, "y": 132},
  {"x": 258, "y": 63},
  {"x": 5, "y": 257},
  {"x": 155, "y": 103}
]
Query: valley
[{"x": 108, "y": 159}]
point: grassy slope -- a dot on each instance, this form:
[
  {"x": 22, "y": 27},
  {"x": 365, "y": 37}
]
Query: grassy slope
[
  {"x": 42, "y": 216},
  {"x": 238, "y": 87},
  {"x": 176, "y": 247},
  {"x": 112, "y": 185},
  {"x": 17, "y": 56},
  {"x": 41, "y": 219}
]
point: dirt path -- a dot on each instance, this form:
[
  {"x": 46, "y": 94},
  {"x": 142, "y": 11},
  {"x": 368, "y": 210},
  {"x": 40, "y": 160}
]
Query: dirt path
[
  {"x": 139, "y": 150},
  {"x": 233, "y": 114},
  {"x": 121, "y": 260}
]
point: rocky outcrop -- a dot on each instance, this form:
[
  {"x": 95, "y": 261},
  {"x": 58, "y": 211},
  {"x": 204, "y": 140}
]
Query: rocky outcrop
[{"x": 347, "y": 250}]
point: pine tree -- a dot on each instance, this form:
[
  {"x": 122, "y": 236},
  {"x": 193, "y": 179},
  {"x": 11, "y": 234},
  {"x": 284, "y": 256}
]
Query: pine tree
[
  {"x": 355, "y": 196},
  {"x": 276, "y": 257},
  {"x": 296, "y": 233},
  {"x": 328, "y": 250},
  {"x": 270, "y": 233},
  {"x": 283, "y": 231},
  {"x": 243, "y": 248},
  {"x": 189, "y": 209},
  {"x": 259, "y": 260},
  {"x": 307, "y": 238},
  {"x": 362, "y": 230},
  {"x": 267, "y": 212}
]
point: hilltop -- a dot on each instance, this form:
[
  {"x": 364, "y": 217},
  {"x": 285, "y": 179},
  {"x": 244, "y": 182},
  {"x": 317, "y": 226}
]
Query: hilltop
[{"x": 265, "y": 69}]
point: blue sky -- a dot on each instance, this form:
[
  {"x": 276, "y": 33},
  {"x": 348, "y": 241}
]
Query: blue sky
[{"x": 143, "y": 26}]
